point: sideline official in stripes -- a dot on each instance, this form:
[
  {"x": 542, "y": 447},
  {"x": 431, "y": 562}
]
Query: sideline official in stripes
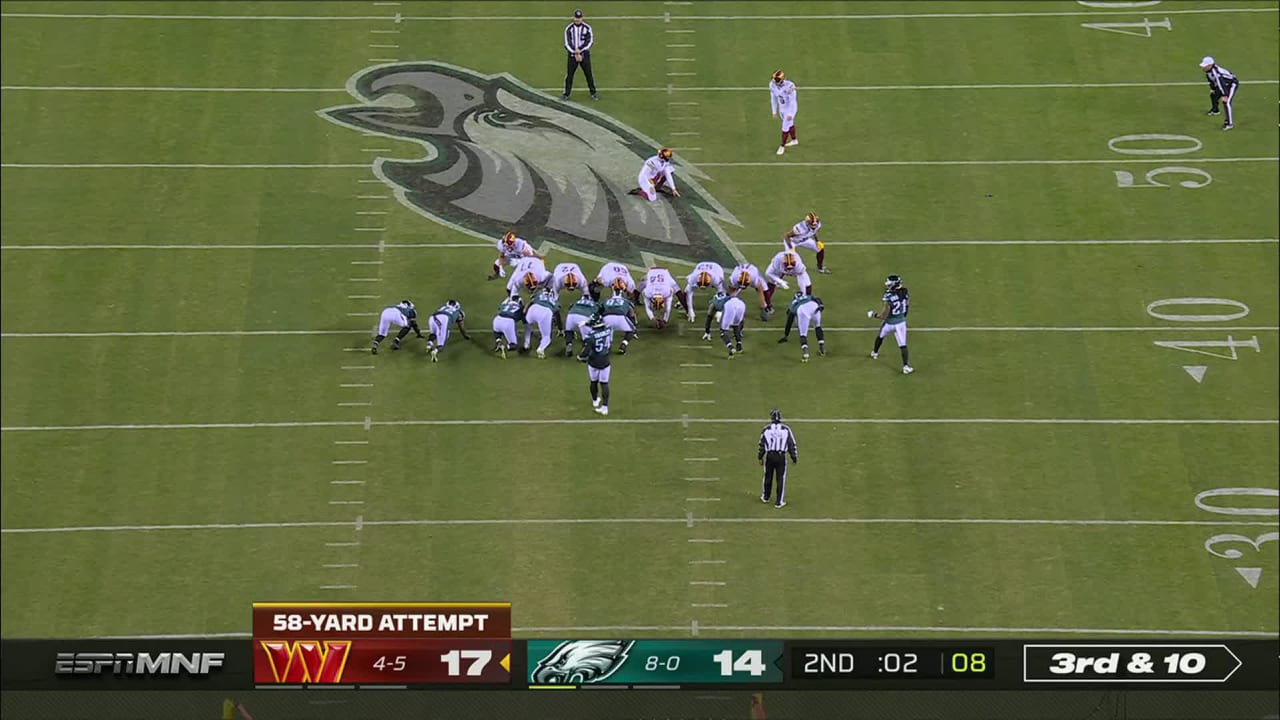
[{"x": 776, "y": 443}]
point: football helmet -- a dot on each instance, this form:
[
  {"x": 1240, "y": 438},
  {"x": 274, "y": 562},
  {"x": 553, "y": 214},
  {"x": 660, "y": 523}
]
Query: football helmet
[
  {"x": 812, "y": 220},
  {"x": 619, "y": 284},
  {"x": 704, "y": 279},
  {"x": 789, "y": 261},
  {"x": 515, "y": 297},
  {"x": 799, "y": 294},
  {"x": 619, "y": 291},
  {"x": 509, "y": 239},
  {"x": 665, "y": 154},
  {"x": 530, "y": 280},
  {"x": 893, "y": 282},
  {"x": 744, "y": 278},
  {"x": 571, "y": 281},
  {"x": 778, "y": 77},
  {"x": 453, "y": 303},
  {"x": 658, "y": 301}
]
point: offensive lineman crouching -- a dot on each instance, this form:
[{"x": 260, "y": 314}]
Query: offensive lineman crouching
[
  {"x": 510, "y": 312},
  {"x": 730, "y": 311},
  {"x": 404, "y": 316},
  {"x": 808, "y": 309},
  {"x": 438, "y": 327}
]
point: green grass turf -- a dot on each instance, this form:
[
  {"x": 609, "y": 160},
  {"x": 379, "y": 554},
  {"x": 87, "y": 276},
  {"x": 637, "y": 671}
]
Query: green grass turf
[{"x": 833, "y": 575}]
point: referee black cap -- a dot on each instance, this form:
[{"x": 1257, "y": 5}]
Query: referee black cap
[
  {"x": 775, "y": 416},
  {"x": 577, "y": 13}
]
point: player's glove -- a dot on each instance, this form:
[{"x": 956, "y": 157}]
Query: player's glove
[
  {"x": 871, "y": 313},
  {"x": 706, "y": 336},
  {"x": 783, "y": 284}
]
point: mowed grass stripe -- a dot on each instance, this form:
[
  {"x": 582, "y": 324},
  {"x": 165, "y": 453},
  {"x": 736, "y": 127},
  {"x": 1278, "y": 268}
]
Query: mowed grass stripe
[{"x": 365, "y": 522}]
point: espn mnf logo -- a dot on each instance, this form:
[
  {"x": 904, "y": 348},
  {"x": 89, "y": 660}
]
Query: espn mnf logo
[{"x": 159, "y": 664}]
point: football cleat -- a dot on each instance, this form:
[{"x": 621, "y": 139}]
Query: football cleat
[
  {"x": 731, "y": 351},
  {"x": 739, "y": 347},
  {"x": 502, "y": 350},
  {"x": 822, "y": 349},
  {"x": 395, "y": 344},
  {"x": 824, "y": 270},
  {"x": 875, "y": 355},
  {"x": 1227, "y": 126},
  {"x": 435, "y": 355},
  {"x": 792, "y": 143},
  {"x": 374, "y": 349},
  {"x": 603, "y": 410},
  {"x": 764, "y": 498},
  {"x": 780, "y": 505},
  {"x": 706, "y": 336},
  {"x": 781, "y": 149},
  {"x": 907, "y": 369},
  {"x": 804, "y": 355},
  {"x": 595, "y": 402},
  {"x": 542, "y": 354},
  {"x": 1213, "y": 111}
]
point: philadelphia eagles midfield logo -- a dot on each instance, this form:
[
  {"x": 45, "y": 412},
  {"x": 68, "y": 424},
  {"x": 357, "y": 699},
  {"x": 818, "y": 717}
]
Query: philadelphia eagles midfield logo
[
  {"x": 580, "y": 662},
  {"x": 501, "y": 156}
]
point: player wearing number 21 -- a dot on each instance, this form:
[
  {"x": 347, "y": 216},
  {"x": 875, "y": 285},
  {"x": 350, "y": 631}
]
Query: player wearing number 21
[{"x": 893, "y": 319}]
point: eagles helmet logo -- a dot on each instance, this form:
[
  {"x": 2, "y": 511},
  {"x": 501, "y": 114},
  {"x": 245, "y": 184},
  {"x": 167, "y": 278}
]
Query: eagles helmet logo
[
  {"x": 581, "y": 662},
  {"x": 498, "y": 155}
]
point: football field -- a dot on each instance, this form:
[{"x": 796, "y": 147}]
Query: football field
[{"x": 207, "y": 205}]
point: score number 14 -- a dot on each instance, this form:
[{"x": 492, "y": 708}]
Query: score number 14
[{"x": 750, "y": 662}]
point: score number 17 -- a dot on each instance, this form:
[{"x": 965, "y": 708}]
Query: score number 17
[{"x": 750, "y": 662}]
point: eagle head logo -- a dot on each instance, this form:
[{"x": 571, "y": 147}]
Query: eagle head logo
[
  {"x": 501, "y": 155},
  {"x": 580, "y": 662}
]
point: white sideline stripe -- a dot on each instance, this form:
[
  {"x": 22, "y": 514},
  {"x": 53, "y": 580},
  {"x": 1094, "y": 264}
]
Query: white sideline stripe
[
  {"x": 910, "y": 163},
  {"x": 192, "y": 166},
  {"x": 635, "y": 521},
  {"x": 833, "y": 163},
  {"x": 489, "y": 246},
  {"x": 365, "y": 331},
  {"x": 1101, "y": 632},
  {"x": 653, "y": 18},
  {"x": 729, "y": 88},
  {"x": 642, "y": 421}
]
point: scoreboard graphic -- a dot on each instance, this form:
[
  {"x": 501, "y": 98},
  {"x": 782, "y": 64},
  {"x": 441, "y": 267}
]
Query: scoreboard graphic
[
  {"x": 653, "y": 662},
  {"x": 381, "y": 643}
]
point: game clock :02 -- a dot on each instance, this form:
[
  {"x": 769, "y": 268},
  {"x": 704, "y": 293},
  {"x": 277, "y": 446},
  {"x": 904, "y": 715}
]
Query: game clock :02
[{"x": 826, "y": 662}]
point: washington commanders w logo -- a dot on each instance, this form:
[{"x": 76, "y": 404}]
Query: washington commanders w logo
[
  {"x": 500, "y": 155},
  {"x": 307, "y": 661}
]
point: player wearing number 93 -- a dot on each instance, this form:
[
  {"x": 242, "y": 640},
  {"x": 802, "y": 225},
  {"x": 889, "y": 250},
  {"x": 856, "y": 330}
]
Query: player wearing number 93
[{"x": 893, "y": 317}]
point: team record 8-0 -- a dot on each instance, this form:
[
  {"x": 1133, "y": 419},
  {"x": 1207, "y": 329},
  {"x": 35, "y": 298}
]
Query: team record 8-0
[{"x": 381, "y": 643}]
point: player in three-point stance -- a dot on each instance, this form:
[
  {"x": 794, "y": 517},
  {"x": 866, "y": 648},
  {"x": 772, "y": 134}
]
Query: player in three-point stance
[
  {"x": 786, "y": 263},
  {"x": 730, "y": 312},
  {"x": 568, "y": 276},
  {"x": 510, "y": 312},
  {"x": 438, "y": 327},
  {"x": 893, "y": 319},
  {"x": 659, "y": 288},
  {"x": 580, "y": 314},
  {"x": 657, "y": 175},
  {"x": 597, "y": 340},
  {"x": 620, "y": 314},
  {"x": 705, "y": 275},
  {"x": 804, "y": 234},
  {"x": 746, "y": 276},
  {"x": 544, "y": 313},
  {"x": 614, "y": 275},
  {"x": 806, "y": 309},
  {"x": 782, "y": 97},
  {"x": 529, "y": 274},
  {"x": 510, "y": 250},
  {"x": 403, "y": 316}
]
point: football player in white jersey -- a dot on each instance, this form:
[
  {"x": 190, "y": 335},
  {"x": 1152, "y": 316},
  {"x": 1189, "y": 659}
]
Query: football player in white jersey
[
  {"x": 659, "y": 290},
  {"x": 804, "y": 234},
  {"x": 568, "y": 276},
  {"x": 746, "y": 276},
  {"x": 806, "y": 309},
  {"x": 705, "y": 275},
  {"x": 529, "y": 274},
  {"x": 544, "y": 313},
  {"x": 782, "y": 97},
  {"x": 510, "y": 250},
  {"x": 784, "y": 264},
  {"x": 613, "y": 276},
  {"x": 657, "y": 175},
  {"x": 403, "y": 316}
]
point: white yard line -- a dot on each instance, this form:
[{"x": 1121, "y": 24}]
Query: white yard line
[
  {"x": 771, "y": 520},
  {"x": 489, "y": 246},
  {"x": 503, "y": 422},
  {"x": 947, "y": 629},
  {"x": 653, "y": 88},
  {"x": 784, "y": 163},
  {"x": 365, "y": 331},
  {"x": 649, "y": 18}
]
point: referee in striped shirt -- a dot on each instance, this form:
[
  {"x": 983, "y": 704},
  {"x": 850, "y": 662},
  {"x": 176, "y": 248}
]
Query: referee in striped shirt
[
  {"x": 578, "y": 39},
  {"x": 776, "y": 442},
  {"x": 1222, "y": 88}
]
